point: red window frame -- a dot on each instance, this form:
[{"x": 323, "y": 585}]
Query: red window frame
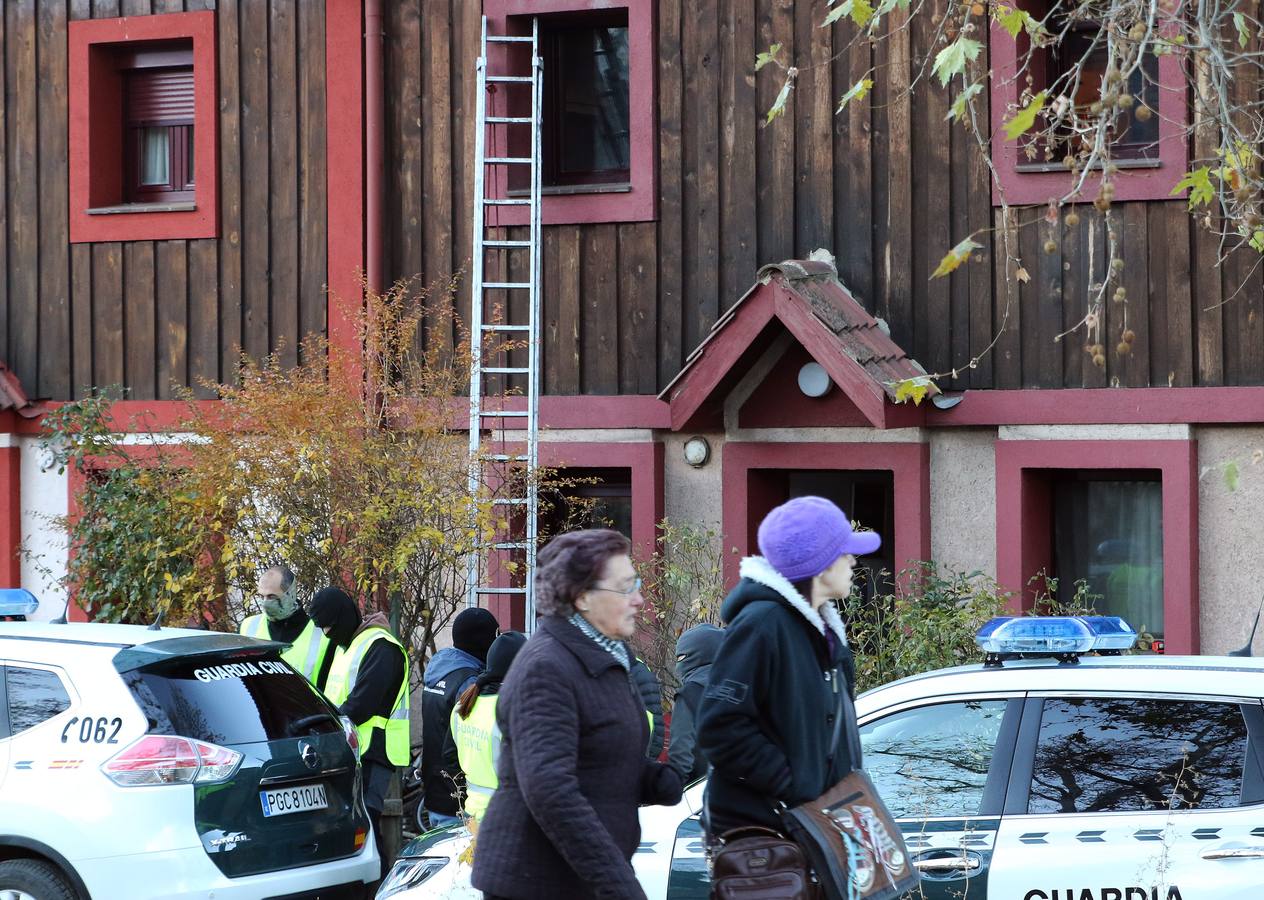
[
  {"x": 101, "y": 53},
  {"x": 1024, "y": 521},
  {"x": 635, "y": 201},
  {"x": 1151, "y": 178}
]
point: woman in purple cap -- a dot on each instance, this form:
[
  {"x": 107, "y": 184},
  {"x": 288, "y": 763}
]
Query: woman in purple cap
[{"x": 766, "y": 720}]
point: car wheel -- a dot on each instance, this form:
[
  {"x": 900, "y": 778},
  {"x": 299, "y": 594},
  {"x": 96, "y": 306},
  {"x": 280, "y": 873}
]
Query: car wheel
[{"x": 33, "y": 879}]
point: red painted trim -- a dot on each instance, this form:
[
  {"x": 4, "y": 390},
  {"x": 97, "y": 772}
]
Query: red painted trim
[
  {"x": 1023, "y": 516},
  {"x": 640, "y": 203},
  {"x": 344, "y": 111},
  {"x": 909, "y": 465},
  {"x": 643, "y": 459},
  {"x": 10, "y": 517},
  {"x": 1130, "y": 184},
  {"x": 94, "y": 95},
  {"x": 778, "y": 402},
  {"x": 1105, "y": 406}
]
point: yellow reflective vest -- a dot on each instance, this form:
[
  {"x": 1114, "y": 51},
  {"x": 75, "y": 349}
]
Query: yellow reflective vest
[
  {"x": 342, "y": 678},
  {"x": 306, "y": 654},
  {"x": 477, "y": 742}
]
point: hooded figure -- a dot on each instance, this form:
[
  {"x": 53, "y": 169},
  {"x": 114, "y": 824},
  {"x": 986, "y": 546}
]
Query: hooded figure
[
  {"x": 473, "y": 745},
  {"x": 449, "y": 673},
  {"x": 368, "y": 682},
  {"x": 695, "y": 651},
  {"x": 284, "y": 619},
  {"x": 783, "y": 674}
]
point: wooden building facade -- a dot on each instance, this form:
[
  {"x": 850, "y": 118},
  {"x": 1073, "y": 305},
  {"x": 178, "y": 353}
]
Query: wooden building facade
[{"x": 319, "y": 140}]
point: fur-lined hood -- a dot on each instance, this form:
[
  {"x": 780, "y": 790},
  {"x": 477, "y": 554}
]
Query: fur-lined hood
[{"x": 758, "y": 570}]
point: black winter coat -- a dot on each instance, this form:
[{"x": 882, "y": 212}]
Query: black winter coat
[
  {"x": 766, "y": 719},
  {"x": 563, "y": 822},
  {"x": 652, "y": 696}
]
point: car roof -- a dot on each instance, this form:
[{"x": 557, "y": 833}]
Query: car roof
[
  {"x": 1229, "y": 676},
  {"x": 133, "y": 646},
  {"x": 105, "y": 633}
]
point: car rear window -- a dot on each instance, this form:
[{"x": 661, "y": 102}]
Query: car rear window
[{"x": 228, "y": 700}]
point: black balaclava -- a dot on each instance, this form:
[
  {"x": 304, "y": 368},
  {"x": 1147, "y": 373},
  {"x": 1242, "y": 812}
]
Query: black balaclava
[
  {"x": 501, "y": 654},
  {"x": 332, "y": 608},
  {"x": 473, "y": 631}
]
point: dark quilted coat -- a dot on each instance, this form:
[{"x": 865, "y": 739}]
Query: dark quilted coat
[{"x": 563, "y": 823}]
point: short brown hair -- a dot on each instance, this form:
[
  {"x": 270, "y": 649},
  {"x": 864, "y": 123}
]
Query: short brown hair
[{"x": 570, "y": 563}]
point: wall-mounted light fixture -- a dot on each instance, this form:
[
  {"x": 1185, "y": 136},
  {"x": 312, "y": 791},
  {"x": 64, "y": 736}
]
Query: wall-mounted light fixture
[
  {"x": 814, "y": 381},
  {"x": 697, "y": 451}
]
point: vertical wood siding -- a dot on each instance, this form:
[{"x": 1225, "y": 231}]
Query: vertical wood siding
[
  {"x": 888, "y": 187},
  {"x": 155, "y": 315}
]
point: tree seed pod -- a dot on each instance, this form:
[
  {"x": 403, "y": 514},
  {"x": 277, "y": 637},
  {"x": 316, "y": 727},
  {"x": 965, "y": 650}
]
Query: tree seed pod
[
  {"x": 1072, "y": 219},
  {"x": 1099, "y": 350},
  {"x": 1125, "y": 101},
  {"x": 1068, "y": 161},
  {"x": 1128, "y": 336},
  {"x": 1099, "y": 360},
  {"x": 1051, "y": 246},
  {"x": 1143, "y": 113},
  {"x": 1102, "y": 204},
  {"x": 1117, "y": 264},
  {"x": 1137, "y": 31},
  {"x": 977, "y": 9},
  {"x": 1120, "y": 294},
  {"x": 1124, "y": 348}
]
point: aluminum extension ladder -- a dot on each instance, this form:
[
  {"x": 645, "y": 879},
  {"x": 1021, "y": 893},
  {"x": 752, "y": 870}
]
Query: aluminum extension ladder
[{"x": 511, "y": 474}]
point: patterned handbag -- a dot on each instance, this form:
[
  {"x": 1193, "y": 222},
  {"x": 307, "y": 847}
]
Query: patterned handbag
[{"x": 855, "y": 847}]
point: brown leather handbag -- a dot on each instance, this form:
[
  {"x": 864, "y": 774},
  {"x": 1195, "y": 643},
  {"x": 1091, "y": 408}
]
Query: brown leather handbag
[{"x": 756, "y": 863}]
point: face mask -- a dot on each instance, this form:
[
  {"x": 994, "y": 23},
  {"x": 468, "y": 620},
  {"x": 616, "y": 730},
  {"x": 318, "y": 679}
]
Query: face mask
[{"x": 282, "y": 607}]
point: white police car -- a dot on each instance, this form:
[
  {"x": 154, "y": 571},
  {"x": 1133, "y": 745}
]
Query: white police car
[
  {"x": 1072, "y": 778},
  {"x": 145, "y": 763}
]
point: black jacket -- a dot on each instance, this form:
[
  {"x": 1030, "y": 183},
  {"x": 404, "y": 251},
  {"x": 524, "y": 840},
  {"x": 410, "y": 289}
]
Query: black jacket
[
  {"x": 375, "y": 689},
  {"x": 572, "y": 770},
  {"x": 652, "y": 697},
  {"x": 766, "y": 719}
]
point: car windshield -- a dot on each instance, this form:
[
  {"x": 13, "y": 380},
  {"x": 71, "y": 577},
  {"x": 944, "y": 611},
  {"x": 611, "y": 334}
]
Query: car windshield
[{"x": 227, "y": 700}]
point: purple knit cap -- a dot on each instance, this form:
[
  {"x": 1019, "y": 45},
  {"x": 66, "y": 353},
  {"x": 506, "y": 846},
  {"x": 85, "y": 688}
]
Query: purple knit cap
[{"x": 802, "y": 538}]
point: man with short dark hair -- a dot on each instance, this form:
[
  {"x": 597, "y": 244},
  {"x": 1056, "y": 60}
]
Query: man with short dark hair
[{"x": 283, "y": 619}]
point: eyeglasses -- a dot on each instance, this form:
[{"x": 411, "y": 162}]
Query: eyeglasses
[{"x": 636, "y": 586}]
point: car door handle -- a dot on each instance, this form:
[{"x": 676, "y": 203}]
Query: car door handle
[
  {"x": 947, "y": 864},
  {"x": 1234, "y": 853}
]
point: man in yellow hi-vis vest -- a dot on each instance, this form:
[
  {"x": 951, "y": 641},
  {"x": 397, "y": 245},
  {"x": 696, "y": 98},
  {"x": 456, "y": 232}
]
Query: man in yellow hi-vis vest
[
  {"x": 368, "y": 682},
  {"x": 283, "y": 619}
]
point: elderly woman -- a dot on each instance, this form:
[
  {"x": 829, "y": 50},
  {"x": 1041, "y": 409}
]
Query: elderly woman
[{"x": 572, "y": 770}]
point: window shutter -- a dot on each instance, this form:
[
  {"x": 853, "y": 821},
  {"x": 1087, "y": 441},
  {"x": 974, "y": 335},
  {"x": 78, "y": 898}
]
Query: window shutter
[{"x": 164, "y": 96}]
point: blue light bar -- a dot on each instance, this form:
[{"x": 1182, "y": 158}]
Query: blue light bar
[
  {"x": 1055, "y": 634},
  {"x": 17, "y": 602}
]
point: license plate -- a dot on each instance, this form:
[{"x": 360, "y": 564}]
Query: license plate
[{"x": 283, "y": 801}]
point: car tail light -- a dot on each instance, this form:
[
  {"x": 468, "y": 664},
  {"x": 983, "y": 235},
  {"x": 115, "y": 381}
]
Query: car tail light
[
  {"x": 361, "y": 835},
  {"x": 353, "y": 736},
  {"x": 168, "y": 759}
]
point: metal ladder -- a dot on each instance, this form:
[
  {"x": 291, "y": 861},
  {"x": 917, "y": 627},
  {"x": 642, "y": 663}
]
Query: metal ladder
[{"x": 518, "y": 465}]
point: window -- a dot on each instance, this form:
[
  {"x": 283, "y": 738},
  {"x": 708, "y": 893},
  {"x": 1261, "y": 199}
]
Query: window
[
  {"x": 1136, "y": 755},
  {"x": 158, "y": 123},
  {"x": 933, "y": 760},
  {"x": 586, "y": 123},
  {"x": 599, "y": 134},
  {"x": 867, "y": 498},
  {"x": 143, "y": 110},
  {"x": 1149, "y": 147},
  {"x": 600, "y": 498},
  {"x": 1120, "y": 514},
  {"x": 35, "y": 696}
]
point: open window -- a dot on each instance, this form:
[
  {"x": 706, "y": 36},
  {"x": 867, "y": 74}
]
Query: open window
[{"x": 599, "y": 132}]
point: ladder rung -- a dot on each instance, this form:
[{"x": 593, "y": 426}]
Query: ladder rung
[
  {"x": 507, "y": 161},
  {"x": 509, "y": 120},
  {"x": 505, "y": 327},
  {"x": 509, "y": 545},
  {"x": 511, "y": 79},
  {"x": 505, "y": 414},
  {"x": 506, "y": 370},
  {"x": 510, "y": 501},
  {"x": 506, "y": 243},
  {"x": 500, "y": 590},
  {"x": 505, "y": 457},
  {"x": 509, "y": 39},
  {"x": 497, "y": 202},
  {"x": 505, "y": 285}
]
